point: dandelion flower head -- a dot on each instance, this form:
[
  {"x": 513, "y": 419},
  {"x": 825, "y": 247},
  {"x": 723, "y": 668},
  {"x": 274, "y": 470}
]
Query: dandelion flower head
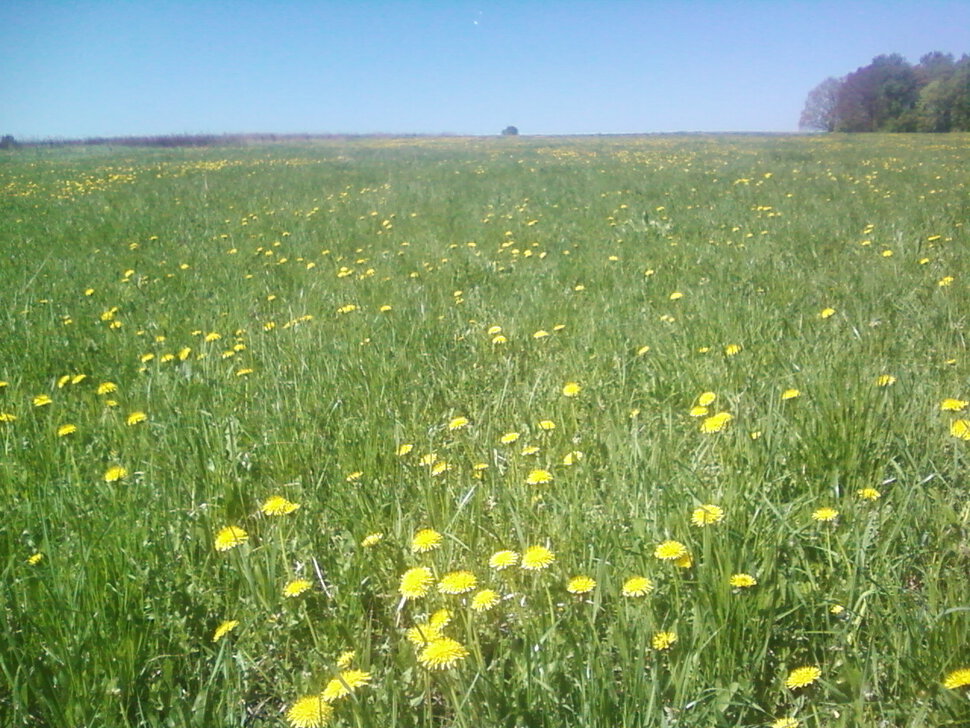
[
  {"x": 296, "y": 587},
  {"x": 960, "y": 429},
  {"x": 442, "y": 654},
  {"x": 427, "y": 539},
  {"x": 503, "y": 559},
  {"x": 457, "y": 582},
  {"x": 345, "y": 684},
  {"x": 743, "y": 581},
  {"x": 707, "y": 515},
  {"x": 115, "y": 473},
  {"x": 663, "y": 640},
  {"x": 571, "y": 389},
  {"x": 415, "y": 582},
  {"x": 869, "y": 494},
  {"x": 790, "y": 394},
  {"x": 951, "y": 404},
  {"x": 277, "y": 505},
  {"x": 311, "y": 711},
  {"x": 825, "y": 514},
  {"x": 716, "y": 423},
  {"x": 580, "y": 585},
  {"x": 539, "y": 477},
  {"x": 536, "y": 558},
  {"x": 485, "y": 600},
  {"x": 371, "y": 540},
  {"x": 670, "y": 551},
  {"x": 802, "y": 677},
  {"x": 957, "y": 679},
  {"x": 786, "y": 723},
  {"x": 458, "y": 423},
  {"x": 637, "y": 586},
  {"x": 224, "y": 628},
  {"x": 230, "y": 537}
]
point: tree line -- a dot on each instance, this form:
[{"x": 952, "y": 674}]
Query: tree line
[{"x": 890, "y": 94}]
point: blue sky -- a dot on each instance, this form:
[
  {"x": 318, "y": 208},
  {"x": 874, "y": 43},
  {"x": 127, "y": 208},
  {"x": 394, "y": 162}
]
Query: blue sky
[{"x": 88, "y": 68}]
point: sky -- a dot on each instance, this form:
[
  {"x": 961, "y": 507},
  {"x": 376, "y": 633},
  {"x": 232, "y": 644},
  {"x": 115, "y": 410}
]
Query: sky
[{"x": 145, "y": 67}]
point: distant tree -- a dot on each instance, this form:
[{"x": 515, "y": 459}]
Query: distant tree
[
  {"x": 7, "y": 142},
  {"x": 879, "y": 97},
  {"x": 819, "y": 111},
  {"x": 510, "y": 131}
]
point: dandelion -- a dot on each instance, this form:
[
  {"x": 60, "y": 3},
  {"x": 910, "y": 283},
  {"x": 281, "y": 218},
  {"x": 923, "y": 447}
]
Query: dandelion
[
  {"x": 424, "y": 633},
  {"x": 415, "y": 582},
  {"x": 786, "y": 723},
  {"x": 869, "y": 494},
  {"x": 224, "y": 628},
  {"x": 277, "y": 505},
  {"x": 503, "y": 560},
  {"x": 706, "y": 398},
  {"x": 802, "y": 677},
  {"x": 676, "y": 296},
  {"x": 484, "y": 600},
  {"x": 296, "y": 587},
  {"x": 953, "y": 405},
  {"x": 825, "y": 514},
  {"x": 42, "y": 400},
  {"x": 442, "y": 654},
  {"x": 244, "y": 372},
  {"x": 743, "y": 581},
  {"x": 309, "y": 712},
  {"x": 580, "y": 585},
  {"x": 836, "y": 609},
  {"x": 115, "y": 473},
  {"x": 643, "y": 350},
  {"x": 957, "y": 679},
  {"x": 663, "y": 640},
  {"x": 65, "y": 430},
  {"x": 716, "y": 423},
  {"x": 500, "y": 339},
  {"x": 732, "y": 349},
  {"x": 404, "y": 449},
  {"x": 960, "y": 429},
  {"x": 684, "y": 562},
  {"x": 547, "y": 425},
  {"x": 540, "y": 334},
  {"x": 790, "y": 394},
  {"x": 458, "y": 423},
  {"x": 637, "y": 586},
  {"x": 536, "y": 558},
  {"x": 7, "y": 417},
  {"x": 457, "y": 582},
  {"x": 698, "y": 411},
  {"x": 571, "y": 389},
  {"x": 885, "y": 380},
  {"x": 135, "y": 418},
  {"x": 354, "y": 476},
  {"x": 35, "y": 559},
  {"x": 508, "y": 438},
  {"x": 230, "y": 537},
  {"x": 826, "y": 313},
  {"x": 573, "y": 457},
  {"x": 707, "y": 515},
  {"x": 107, "y": 388},
  {"x": 371, "y": 540},
  {"x": 344, "y": 684},
  {"x": 670, "y": 551},
  {"x": 427, "y": 539},
  {"x": 345, "y": 658},
  {"x": 539, "y": 477},
  {"x": 530, "y": 450}
]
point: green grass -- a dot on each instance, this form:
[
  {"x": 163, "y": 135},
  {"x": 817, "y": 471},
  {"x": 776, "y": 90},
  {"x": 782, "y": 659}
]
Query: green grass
[{"x": 119, "y": 264}]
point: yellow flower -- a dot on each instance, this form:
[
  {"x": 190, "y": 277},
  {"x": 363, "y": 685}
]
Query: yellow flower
[
  {"x": 684, "y": 562},
  {"x": 957, "y": 679},
  {"x": 786, "y": 723},
  {"x": 637, "y": 586},
  {"x": 107, "y": 388},
  {"x": 706, "y": 398},
  {"x": 230, "y": 537},
  {"x": 826, "y": 313},
  {"x": 114, "y": 473},
  {"x": 663, "y": 640},
  {"x": 135, "y": 418},
  {"x": 35, "y": 559},
  {"x": 885, "y": 380},
  {"x": 427, "y": 539},
  {"x": 536, "y": 558},
  {"x": 540, "y": 334},
  {"x": 643, "y": 350},
  {"x": 670, "y": 551},
  {"x": 571, "y": 458},
  {"x": 503, "y": 560},
  {"x": 277, "y": 505},
  {"x": 7, "y": 417},
  {"x": 580, "y": 585},
  {"x": 732, "y": 349},
  {"x": 65, "y": 430},
  {"x": 457, "y": 582},
  {"x": 743, "y": 581},
  {"x": 344, "y": 684},
  {"x": 707, "y": 515},
  {"x": 571, "y": 389},
  {"x": 309, "y": 712},
  {"x": 345, "y": 658},
  {"x": 485, "y": 600},
  {"x": 296, "y": 587},
  {"x": 404, "y": 449},
  {"x": 224, "y": 628},
  {"x": 493, "y": 330},
  {"x": 716, "y": 423},
  {"x": 698, "y": 411},
  {"x": 547, "y": 425},
  {"x": 458, "y": 423},
  {"x": 953, "y": 405},
  {"x": 802, "y": 677},
  {"x": 42, "y": 400},
  {"x": 870, "y": 494},
  {"x": 442, "y": 654},
  {"x": 415, "y": 582},
  {"x": 676, "y": 295},
  {"x": 961, "y": 429},
  {"x": 945, "y": 281},
  {"x": 372, "y": 539},
  {"x": 539, "y": 477},
  {"x": 508, "y": 438},
  {"x": 825, "y": 514},
  {"x": 790, "y": 394}
]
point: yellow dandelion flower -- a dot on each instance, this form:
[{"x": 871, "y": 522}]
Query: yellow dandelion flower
[
  {"x": 35, "y": 559},
  {"x": 345, "y": 658},
  {"x": 743, "y": 581},
  {"x": 573, "y": 457},
  {"x": 663, "y": 640},
  {"x": 42, "y": 400},
  {"x": 547, "y": 425},
  {"x": 115, "y": 473},
  {"x": 371, "y": 540},
  {"x": 107, "y": 388},
  {"x": 960, "y": 429},
  {"x": 953, "y": 405},
  {"x": 277, "y": 505},
  {"x": 836, "y": 609},
  {"x": 698, "y": 411},
  {"x": 786, "y": 723},
  {"x": 707, "y": 515},
  {"x": 802, "y": 677},
  {"x": 457, "y": 582},
  {"x": 826, "y": 313},
  {"x": 869, "y": 494},
  {"x": 825, "y": 514},
  {"x": 230, "y": 537},
  {"x": 637, "y": 586},
  {"x": 65, "y": 430},
  {"x": 885, "y": 380},
  {"x": 643, "y": 350},
  {"x": 670, "y": 551},
  {"x": 442, "y": 654},
  {"x": 536, "y": 558},
  {"x": 404, "y": 449},
  {"x": 296, "y": 587},
  {"x": 427, "y": 539},
  {"x": 571, "y": 389},
  {"x": 493, "y": 330},
  {"x": 957, "y": 679},
  {"x": 529, "y": 450},
  {"x": 500, "y": 339},
  {"x": 684, "y": 562},
  {"x": 354, "y": 476},
  {"x": 539, "y": 477},
  {"x": 224, "y": 628},
  {"x": 790, "y": 394},
  {"x": 440, "y": 467},
  {"x": 503, "y": 560},
  {"x": 540, "y": 334},
  {"x": 706, "y": 398},
  {"x": 415, "y": 582},
  {"x": 7, "y": 417},
  {"x": 716, "y": 423},
  {"x": 344, "y": 684},
  {"x": 458, "y": 423},
  {"x": 311, "y": 711},
  {"x": 423, "y": 633},
  {"x": 580, "y": 585},
  {"x": 732, "y": 349},
  {"x": 136, "y": 418},
  {"x": 676, "y": 296},
  {"x": 508, "y": 438},
  {"x": 485, "y": 600}
]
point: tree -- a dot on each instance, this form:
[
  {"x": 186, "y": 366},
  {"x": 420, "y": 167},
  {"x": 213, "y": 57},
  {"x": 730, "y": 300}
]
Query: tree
[
  {"x": 819, "y": 111},
  {"x": 510, "y": 131},
  {"x": 879, "y": 97}
]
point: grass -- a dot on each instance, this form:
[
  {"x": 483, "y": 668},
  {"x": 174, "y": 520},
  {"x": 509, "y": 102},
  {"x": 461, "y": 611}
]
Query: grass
[{"x": 288, "y": 316}]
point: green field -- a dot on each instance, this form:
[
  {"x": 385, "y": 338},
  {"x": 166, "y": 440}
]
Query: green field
[{"x": 722, "y": 378}]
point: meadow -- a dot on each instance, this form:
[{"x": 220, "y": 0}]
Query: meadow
[{"x": 529, "y": 432}]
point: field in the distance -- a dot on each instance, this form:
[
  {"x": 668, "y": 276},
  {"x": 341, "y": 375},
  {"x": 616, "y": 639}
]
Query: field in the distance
[{"x": 675, "y": 429}]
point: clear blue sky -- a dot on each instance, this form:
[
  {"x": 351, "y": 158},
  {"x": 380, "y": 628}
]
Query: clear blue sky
[{"x": 130, "y": 67}]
